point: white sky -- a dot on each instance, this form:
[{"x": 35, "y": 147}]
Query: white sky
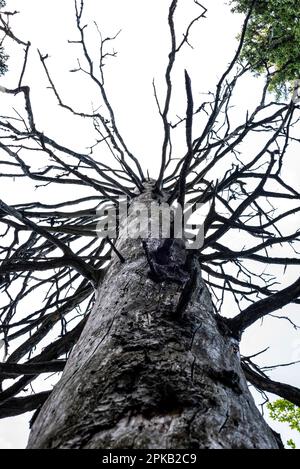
[{"x": 142, "y": 48}]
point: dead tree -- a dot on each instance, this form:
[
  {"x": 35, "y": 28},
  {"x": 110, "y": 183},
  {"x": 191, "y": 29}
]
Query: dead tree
[{"x": 149, "y": 350}]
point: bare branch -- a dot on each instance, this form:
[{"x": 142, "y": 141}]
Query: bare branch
[
  {"x": 264, "y": 383},
  {"x": 266, "y": 306},
  {"x": 20, "y": 405}
]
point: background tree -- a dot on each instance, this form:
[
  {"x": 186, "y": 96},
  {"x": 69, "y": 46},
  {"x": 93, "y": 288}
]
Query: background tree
[
  {"x": 157, "y": 363},
  {"x": 285, "y": 411},
  {"x": 3, "y": 56},
  {"x": 272, "y": 41}
]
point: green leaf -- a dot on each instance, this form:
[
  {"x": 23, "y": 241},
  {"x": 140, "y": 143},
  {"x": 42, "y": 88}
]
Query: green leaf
[{"x": 291, "y": 444}]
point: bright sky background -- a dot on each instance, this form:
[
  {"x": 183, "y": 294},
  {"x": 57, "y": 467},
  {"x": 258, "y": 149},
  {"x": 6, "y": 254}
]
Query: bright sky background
[{"x": 142, "y": 46}]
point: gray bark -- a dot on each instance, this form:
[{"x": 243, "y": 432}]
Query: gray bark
[{"x": 147, "y": 373}]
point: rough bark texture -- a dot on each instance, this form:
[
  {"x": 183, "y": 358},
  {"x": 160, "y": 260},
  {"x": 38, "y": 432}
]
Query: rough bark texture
[{"x": 153, "y": 368}]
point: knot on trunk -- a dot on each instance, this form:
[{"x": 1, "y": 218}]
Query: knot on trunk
[{"x": 168, "y": 261}]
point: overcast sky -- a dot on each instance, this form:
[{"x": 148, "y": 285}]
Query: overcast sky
[{"x": 142, "y": 47}]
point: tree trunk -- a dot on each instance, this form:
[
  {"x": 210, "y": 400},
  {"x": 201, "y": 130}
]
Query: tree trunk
[{"x": 153, "y": 368}]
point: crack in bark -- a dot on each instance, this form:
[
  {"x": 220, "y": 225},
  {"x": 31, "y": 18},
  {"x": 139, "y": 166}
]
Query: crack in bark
[
  {"x": 228, "y": 378},
  {"x": 225, "y": 421}
]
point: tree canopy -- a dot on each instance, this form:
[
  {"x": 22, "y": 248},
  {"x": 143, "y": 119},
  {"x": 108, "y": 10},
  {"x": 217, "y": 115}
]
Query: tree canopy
[
  {"x": 272, "y": 40},
  {"x": 3, "y": 56},
  {"x": 286, "y": 412}
]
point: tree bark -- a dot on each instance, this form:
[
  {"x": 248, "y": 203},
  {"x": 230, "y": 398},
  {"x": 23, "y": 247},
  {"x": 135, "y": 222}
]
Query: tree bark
[{"x": 153, "y": 368}]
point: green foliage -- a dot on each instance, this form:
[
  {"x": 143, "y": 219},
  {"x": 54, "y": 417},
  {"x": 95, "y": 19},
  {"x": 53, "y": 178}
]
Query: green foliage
[
  {"x": 291, "y": 444},
  {"x": 272, "y": 40},
  {"x": 3, "y": 56},
  {"x": 284, "y": 411},
  {"x": 3, "y": 59}
]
